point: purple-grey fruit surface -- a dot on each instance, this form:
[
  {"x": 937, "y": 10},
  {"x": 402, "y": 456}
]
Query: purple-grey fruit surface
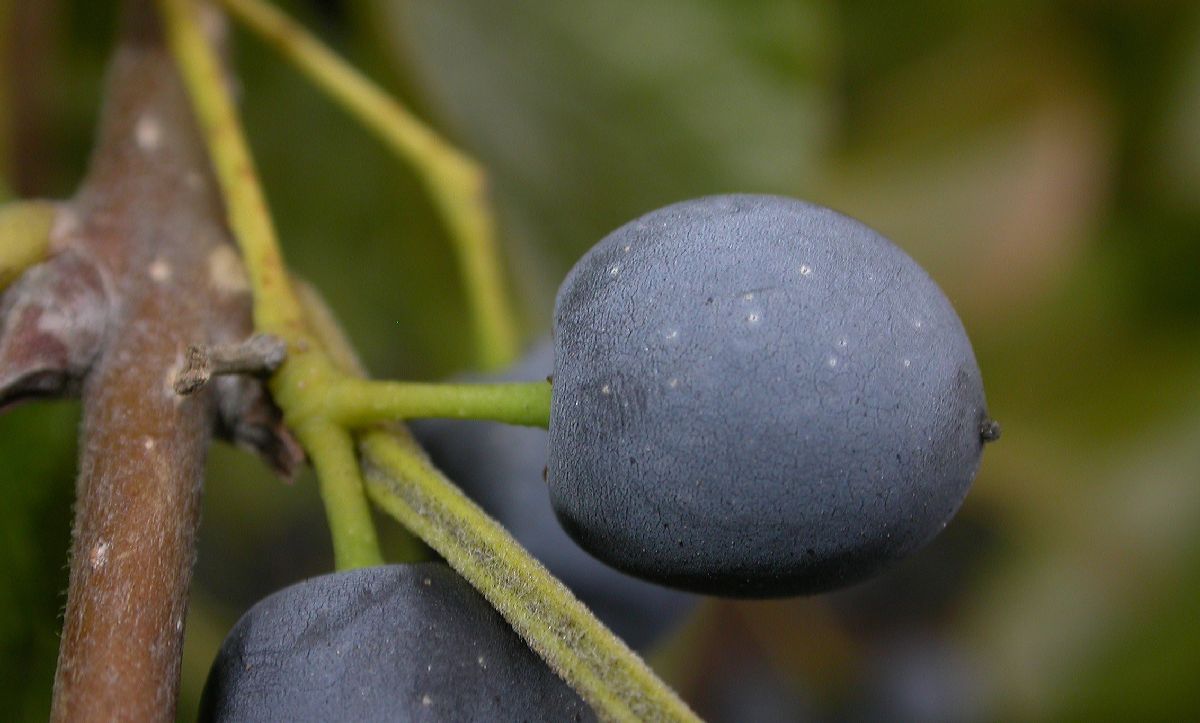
[
  {"x": 500, "y": 466},
  {"x": 389, "y": 643},
  {"x": 757, "y": 396}
]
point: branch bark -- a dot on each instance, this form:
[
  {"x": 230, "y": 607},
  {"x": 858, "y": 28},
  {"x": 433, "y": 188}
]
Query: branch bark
[
  {"x": 142, "y": 267},
  {"x": 147, "y": 214}
]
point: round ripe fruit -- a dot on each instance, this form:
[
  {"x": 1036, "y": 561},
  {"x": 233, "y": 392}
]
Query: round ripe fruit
[
  {"x": 399, "y": 642},
  {"x": 756, "y": 396},
  {"x": 500, "y": 466}
]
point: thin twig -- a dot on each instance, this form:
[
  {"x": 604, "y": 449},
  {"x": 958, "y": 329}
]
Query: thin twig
[
  {"x": 260, "y": 355},
  {"x": 612, "y": 678}
]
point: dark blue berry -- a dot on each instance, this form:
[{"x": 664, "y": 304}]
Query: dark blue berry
[
  {"x": 394, "y": 643},
  {"x": 757, "y": 396}
]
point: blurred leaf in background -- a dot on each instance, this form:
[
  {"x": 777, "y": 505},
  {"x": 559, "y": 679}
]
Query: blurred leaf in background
[
  {"x": 37, "y": 449},
  {"x": 591, "y": 113}
]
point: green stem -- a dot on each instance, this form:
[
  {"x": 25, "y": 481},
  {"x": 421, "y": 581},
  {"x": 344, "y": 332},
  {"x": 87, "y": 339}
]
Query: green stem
[
  {"x": 276, "y": 309},
  {"x": 332, "y": 452},
  {"x": 455, "y": 182},
  {"x": 24, "y": 236},
  {"x": 361, "y": 402},
  {"x": 609, "y": 676}
]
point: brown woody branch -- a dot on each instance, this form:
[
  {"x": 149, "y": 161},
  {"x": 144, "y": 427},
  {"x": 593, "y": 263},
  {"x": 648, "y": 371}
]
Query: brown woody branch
[{"x": 142, "y": 269}]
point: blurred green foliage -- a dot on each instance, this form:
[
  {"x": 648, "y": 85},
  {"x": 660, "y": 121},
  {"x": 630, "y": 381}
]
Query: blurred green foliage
[{"x": 1041, "y": 159}]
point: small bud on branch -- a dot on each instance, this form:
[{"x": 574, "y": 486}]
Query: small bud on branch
[{"x": 259, "y": 355}]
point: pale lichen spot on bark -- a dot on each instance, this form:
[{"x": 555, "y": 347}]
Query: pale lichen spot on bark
[
  {"x": 53, "y": 323},
  {"x": 160, "y": 271},
  {"x": 148, "y": 133},
  {"x": 213, "y": 23},
  {"x": 172, "y": 374},
  {"x": 98, "y": 556},
  {"x": 148, "y": 444},
  {"x": 65, "y": 226},
  {"x": 226, "y": 272}
]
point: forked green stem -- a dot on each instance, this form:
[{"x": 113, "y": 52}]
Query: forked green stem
[
  {"x": 402, "y": 482},
  {"x": 611, "y": 677},
  {"x": 456, "y": 183}
]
